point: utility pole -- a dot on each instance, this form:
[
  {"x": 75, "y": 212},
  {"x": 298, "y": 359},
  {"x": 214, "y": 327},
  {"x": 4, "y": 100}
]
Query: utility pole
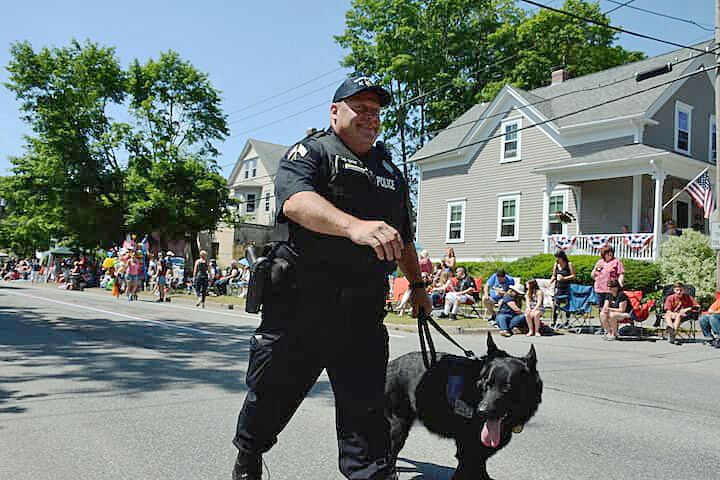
[{"x": 715, "y": 219}]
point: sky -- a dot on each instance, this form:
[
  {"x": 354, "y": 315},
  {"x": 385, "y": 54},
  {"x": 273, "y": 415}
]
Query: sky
[{"x": 276, "y": 61}]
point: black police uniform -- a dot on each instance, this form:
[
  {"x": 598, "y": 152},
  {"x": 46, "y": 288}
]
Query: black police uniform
[{"x": 333, "y": 316}]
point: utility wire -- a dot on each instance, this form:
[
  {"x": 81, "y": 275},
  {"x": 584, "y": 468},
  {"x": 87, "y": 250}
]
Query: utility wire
[
  {"x": 611, "y": 27},
  {"x": 334, "y": 82},
  {"x": 620, "y": 5},
  {"x": 487, "y": 139},
  {"x": 285, "y": 91},
  {"x": 703, "y": 26},
  {"x": 582, "y": 90},
  {"x": 572, "y": 92},
  {"x": 585, "y": 109},
  {"x": 407, "y": 102}
]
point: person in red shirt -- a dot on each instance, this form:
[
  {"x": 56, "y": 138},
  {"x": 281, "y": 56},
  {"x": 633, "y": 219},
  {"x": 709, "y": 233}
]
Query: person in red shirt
[{"x": 678, "y": 307}]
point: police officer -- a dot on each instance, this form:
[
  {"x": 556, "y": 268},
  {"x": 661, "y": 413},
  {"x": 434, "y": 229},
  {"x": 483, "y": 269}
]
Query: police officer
[{"x": 348, "y": 216}]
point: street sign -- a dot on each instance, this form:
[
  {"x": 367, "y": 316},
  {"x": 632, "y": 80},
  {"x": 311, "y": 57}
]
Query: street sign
[{"x": 715, "y": 235}]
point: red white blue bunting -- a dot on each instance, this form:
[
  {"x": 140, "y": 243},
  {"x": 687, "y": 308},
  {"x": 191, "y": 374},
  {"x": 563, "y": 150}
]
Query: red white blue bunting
[
  {"x": 562, "y": 242},
  {"x": 637, "y": 241},
  {"x": 599, "y": 241}
]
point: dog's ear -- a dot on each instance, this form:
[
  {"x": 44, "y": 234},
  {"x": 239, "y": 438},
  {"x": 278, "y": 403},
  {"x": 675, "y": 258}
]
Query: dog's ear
[
  {"x": 491, "y": 347},
  {"x": 531, "y": 358}
]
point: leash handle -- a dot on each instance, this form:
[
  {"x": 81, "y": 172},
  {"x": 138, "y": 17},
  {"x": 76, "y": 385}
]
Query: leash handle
[{"x": 424, "y": 330}]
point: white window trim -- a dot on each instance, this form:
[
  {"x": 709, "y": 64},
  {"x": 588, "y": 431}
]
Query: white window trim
[
  {"x": 683, "y": 107},
  {"x": 500, "y": 199},
  {"x": 247, "y": 203},
  {"x": 450, "y": 204},
  {"x": 711, "y": 159},
  {"x": 565, "y": 192},
  {"x": 517, "y": 121}
]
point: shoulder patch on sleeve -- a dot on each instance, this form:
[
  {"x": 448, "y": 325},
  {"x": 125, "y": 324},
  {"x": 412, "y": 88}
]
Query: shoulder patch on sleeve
[{"x": 298, "y": 151}]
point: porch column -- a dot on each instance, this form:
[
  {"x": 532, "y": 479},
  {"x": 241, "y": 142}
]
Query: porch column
[
  {"x": 636, "y": 203},
  {"x": 549, "y": 187},
  {"x": 659, "y": 175},
  {"x": 577, "y": 192}
]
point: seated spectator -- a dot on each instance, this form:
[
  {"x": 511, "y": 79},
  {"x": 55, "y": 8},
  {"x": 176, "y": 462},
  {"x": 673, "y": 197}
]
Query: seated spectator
[
  {"x": 710, "y": 325},
  {"x": 465, "y": 292},
  {"x": 678, "y": 307},
  {"x": 440, "y": 287},
  {"x": 233, "y": 276},
  {"x": 426, "y": 265},
  {"x": 495, "y": 289},
  {"x": 671, "y": 229},
  {"x": 510, "y": 318},
  {"x": 535, "y": 308},
  {"x": 617, "y": 307},
  {"x": 449, "y": 260}
]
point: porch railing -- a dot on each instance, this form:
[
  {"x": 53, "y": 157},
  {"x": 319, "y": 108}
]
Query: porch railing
[{"x": 637, "y": 246}]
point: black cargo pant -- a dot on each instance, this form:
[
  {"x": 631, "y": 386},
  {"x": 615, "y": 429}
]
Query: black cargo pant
[{"x": 324, "y": 326}]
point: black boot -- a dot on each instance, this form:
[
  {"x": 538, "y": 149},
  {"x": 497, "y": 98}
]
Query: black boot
[{"x": 248, "y": 466}]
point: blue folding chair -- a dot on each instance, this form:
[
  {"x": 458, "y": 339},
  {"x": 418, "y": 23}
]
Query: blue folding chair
[{"x": 578, "y": 308}]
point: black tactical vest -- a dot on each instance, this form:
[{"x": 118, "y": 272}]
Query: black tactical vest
[{"x": 368, "y": 187}]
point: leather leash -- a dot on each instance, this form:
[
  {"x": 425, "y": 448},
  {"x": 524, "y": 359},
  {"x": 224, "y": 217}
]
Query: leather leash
[{"x": 424, "y": 320}]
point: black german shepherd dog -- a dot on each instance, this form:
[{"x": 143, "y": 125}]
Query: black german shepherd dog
[{"x": 479, "y": 402}]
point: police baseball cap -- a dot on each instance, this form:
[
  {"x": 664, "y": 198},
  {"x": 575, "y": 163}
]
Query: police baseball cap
[{"x": 355, "y": 85}]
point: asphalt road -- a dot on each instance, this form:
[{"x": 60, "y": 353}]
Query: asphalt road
[{"x": 97, "y": 388}]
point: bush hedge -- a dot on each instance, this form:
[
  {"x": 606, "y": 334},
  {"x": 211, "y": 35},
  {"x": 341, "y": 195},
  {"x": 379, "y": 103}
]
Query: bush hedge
[{"x": 639, "y": 274}]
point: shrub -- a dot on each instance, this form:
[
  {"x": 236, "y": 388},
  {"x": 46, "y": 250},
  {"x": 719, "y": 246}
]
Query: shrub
[
  {"x": 639, "y": 274},
  {"x": 688, "y": 258},
  {"x": 481, "y": 269}
]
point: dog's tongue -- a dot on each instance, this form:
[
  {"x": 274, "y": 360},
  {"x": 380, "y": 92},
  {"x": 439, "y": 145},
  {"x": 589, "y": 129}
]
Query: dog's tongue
[{"x": 490, "y": 435}]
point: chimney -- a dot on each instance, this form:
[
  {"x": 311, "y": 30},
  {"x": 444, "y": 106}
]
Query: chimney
[{"x": 559, "y": 75}]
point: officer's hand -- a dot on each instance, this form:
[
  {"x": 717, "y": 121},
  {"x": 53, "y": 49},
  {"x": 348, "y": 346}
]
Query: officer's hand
[
  {"x": 420, "y": 301},
  {"x": 381, "y": 237}
]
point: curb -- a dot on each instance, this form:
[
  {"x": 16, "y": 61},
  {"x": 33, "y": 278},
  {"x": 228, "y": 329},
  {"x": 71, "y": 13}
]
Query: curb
[{"x": 449, "y": 329}]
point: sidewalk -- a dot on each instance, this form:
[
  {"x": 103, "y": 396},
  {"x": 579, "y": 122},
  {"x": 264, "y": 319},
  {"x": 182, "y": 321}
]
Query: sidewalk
[{"x": 223, "y": 302}]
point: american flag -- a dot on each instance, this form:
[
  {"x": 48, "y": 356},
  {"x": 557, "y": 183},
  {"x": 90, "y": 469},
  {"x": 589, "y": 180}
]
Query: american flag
[{"x": 702, "y": 192}]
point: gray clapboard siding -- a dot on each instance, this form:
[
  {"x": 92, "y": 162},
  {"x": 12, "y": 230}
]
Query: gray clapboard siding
[
  {"x": 480, "y": 182},
  {"x": 698, "y": 92}
]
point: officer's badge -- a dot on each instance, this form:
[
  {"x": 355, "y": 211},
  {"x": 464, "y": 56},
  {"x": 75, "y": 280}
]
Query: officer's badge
[{"x": 298, "y": 151}]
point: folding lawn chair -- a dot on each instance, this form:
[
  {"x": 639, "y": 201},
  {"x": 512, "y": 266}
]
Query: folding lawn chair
[
  {"x": 578, "y": 309},
  {"x": 640, "y": 313},
  {"x": 399, "y": 287},
  {"x": 475, "y": 306},
  {"x": 692, "y": 316}
]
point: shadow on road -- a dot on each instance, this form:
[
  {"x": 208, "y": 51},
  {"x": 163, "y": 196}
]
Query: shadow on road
[{"x": 126, "y": 356}]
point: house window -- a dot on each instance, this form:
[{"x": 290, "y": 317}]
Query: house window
[
  {"x": 557, "y": 204},
  {"x": 250, "y": 167},
  {"x": 455, "y": 221},
  {"x": 250, "y": 203},
  {"x": 508, "y": 217},
  {"x": 510, "y": 150},
  {"x": 683, "y": 127},
  {"x": 267, "y": 202},
  {"x": 712, "y": 141}
]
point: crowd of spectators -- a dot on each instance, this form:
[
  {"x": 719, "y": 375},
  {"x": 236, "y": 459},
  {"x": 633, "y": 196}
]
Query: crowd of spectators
[
  {"x": 71, "y": 272},
  {"x": 515, "y": 307}
]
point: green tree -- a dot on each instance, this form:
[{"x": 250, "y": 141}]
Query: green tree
[
  {"x": 439, "y": 58},
  {"x": 89, "y": 179},
  {"x": 72, "y": 160},
  {"x": 173, "y": 175}
]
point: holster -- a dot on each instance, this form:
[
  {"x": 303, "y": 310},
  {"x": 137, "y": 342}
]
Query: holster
[{"x": 273, "y": 274}]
